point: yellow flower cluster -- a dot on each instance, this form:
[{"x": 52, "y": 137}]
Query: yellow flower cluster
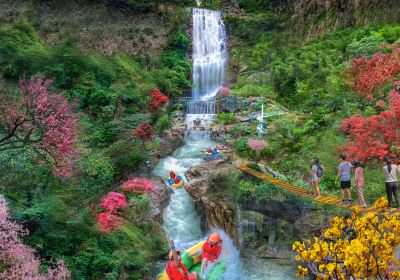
[
  {"x": 301, "y": 272},
  {"x": 360, "y": 247}
]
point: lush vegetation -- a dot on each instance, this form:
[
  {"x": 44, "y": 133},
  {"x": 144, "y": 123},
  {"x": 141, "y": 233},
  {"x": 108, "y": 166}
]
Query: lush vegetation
[
  {"x": 99, "y": 104},
  {"x": 318, "y": 83},
  {"x": 96, "y": 114}
]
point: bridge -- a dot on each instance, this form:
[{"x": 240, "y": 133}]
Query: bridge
[{"x": 325, "y": 199}]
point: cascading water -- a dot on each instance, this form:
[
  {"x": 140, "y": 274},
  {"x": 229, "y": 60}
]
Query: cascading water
[
  {"x": 181, "y": 222},
  {"x": 209, "y": 61},
  {"x": 209, "y": 53}
]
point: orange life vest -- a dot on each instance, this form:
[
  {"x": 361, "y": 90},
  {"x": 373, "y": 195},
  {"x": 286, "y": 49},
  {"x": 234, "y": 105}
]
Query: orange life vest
[
  {"x": 176, "y": 180},
  {"x": 211, "y": 253},
  {"x": 174, "y": 273}
]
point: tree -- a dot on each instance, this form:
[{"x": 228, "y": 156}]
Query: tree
[
  {"x": 139, "y": 185},
  {"x": 360, "y": 247},
  {"x": 376, "y": 136},
  {"x": 257, "y": 145},
  {"x": 17, "y": 260},
  {"x": 157, "y": 99},
  {"x": 41, "y": 120},
  {"x": 370, "y": 74},
  {"x": 113, "y": 201},
  {"x": 144, "y": 133},
  {"x": 224, "y": 91}
]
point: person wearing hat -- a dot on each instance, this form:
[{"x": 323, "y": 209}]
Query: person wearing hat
[
  {"x": 211, "y": 250},
  {"x": 175, "y": 269}
]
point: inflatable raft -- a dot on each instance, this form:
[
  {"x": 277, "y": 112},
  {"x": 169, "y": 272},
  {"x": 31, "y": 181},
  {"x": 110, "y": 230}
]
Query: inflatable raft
[
  {"x": 194, "y": 264},
  {"x": 172, "y": 184}
]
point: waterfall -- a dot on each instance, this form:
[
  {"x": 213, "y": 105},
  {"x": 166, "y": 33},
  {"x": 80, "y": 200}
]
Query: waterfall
[
  {"x": 209, "y": 62},
  {"x": 209, "y": 53}
]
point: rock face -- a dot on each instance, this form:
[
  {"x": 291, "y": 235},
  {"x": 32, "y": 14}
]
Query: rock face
[
  {"x": 159, "y": 198},
  {"x": 206, "y": 187},
  {"x": 271, "y": 224}
]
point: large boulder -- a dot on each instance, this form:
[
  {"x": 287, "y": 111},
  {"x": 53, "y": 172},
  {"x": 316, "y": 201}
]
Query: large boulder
[
  {"x": 159, "y": 198},
  {"x": 211, "y": 198}
]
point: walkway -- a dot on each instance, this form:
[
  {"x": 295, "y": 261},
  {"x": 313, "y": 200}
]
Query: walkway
[{"x": 329, "y": 200}]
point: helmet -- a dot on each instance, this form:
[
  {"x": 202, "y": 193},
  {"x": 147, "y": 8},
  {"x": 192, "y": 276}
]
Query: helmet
[
  {"x": 214, "y": 237},
  {"x": 170, "y": 255}
]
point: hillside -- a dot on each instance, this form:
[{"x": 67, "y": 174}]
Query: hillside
[
  {"x": 106, "y": 77},
  {"x": 299, "y": 57}
]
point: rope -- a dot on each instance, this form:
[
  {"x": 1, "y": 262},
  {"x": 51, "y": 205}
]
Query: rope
[{"x": 325, "y": 199}]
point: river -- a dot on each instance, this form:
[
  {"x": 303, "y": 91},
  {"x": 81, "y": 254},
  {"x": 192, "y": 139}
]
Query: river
[{"x": 181, "y": 222}]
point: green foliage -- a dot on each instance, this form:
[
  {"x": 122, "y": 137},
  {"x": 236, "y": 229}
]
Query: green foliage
[
  {"x": 127, "y": 156},
  {"x": 243, "y": 149},
  {"x": 174, "y": 70},
  {"x": 226, "y": 118},
  {"x": 112, "y": 96},
  {"x": 164, "y": 122},
  {"x": 98, "y": 173},
  {"x": 145, "y": 6}
]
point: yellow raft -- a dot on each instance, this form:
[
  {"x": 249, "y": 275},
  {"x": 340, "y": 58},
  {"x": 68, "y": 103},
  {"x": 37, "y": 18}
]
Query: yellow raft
[{"x": 195, "y": 260}]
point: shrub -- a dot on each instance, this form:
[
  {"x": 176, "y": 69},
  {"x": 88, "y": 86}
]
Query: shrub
[
  {"x": 113, "y": 201},
  {"x": 138, "y": 185},
  {"x": 163, "y": 123},
  {"x": 97, "y": 173},
  {"x": 358, "y": 247},
  {"x": 144, "y": 133},
  {"x": 157, "y": 99},
  {"x": 227, "y": 118}
]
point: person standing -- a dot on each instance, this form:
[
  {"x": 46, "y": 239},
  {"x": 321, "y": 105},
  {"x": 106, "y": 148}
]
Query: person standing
[
  {"x": 344, "y": 169},
  {"x": 359, "y": 182},
  {"x": 310, "y": 186},
  {"x": 391, "y": 182},
  {"x": 316, "y": 172}
]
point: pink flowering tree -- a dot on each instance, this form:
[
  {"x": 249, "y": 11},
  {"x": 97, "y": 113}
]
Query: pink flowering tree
[
  {"x": 113, "y": 201},
  {"x": 257, "y": 145},
  {"x": 41, "y": 120},
  {"x": 138, "y": 185},
  {"x": 18, "y": 259},
  {"x": 224, "y": 91}
]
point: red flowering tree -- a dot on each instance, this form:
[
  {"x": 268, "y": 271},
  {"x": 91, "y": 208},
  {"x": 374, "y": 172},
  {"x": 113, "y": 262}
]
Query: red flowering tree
[
  {"x": 157, "y": 99},
  {"x": 144, "y": 133},
  {"x": 370, "y": 74},
  {"x": 17, "y": 260},
  {"x": 41, "y": 120},
  {"x": 107, "y": 222},
  {"x": 113, "y": 201},
  {"x": 138, "y": 185},
  {"x": 376, "y": 136}
]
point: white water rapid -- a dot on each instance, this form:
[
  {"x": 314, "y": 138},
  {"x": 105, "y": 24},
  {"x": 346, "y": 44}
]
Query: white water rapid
[{"x": 181, "y": 221}]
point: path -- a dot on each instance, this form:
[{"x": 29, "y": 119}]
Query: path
[{"x": 329, "y": 200}]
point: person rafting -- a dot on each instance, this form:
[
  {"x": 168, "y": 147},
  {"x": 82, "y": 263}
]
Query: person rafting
[
  {"x": 175, "y": 269},
  {"x": 176, "y": 180},
  {"x": 172, "y": 174},
  {"x": 211, "y": 251}
]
